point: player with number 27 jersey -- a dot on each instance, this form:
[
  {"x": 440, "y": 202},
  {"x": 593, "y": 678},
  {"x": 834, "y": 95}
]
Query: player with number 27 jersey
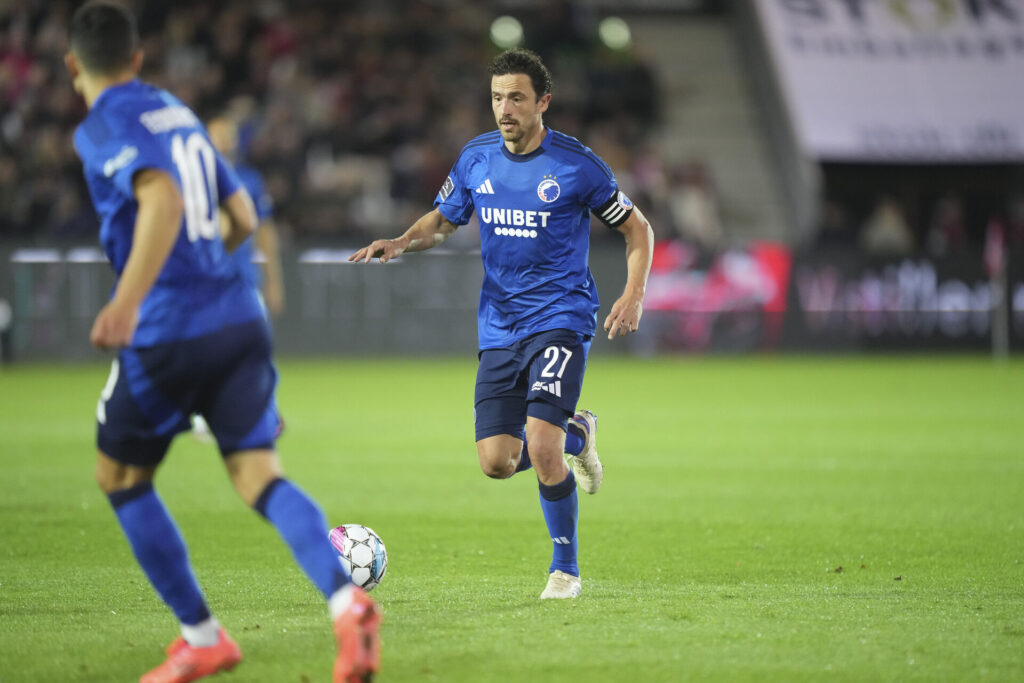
[
  {"x": 135, "y": 126},
  {"x": 534, "y": 214},
  {"x": 533, "y": 190}
]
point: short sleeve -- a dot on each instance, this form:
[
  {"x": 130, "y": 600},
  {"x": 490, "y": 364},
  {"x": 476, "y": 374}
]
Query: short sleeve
[
  {"x": 454, "y": 200},
  {"x": 601, "y": 193},
  {"x": 136, "y": 151}
]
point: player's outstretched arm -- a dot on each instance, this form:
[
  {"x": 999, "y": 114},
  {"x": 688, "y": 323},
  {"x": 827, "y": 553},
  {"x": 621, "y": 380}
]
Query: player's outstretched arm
[
  {"x": 273, "y": 279},
  {"x": 627, "y": 310},
  {"x": 157, "y": 225},
  {"x": 238, "y": 220},
  {"x": 429, "y": 231}
]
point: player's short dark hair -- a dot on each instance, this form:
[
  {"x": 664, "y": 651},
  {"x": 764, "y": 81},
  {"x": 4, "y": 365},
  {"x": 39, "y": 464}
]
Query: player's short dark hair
[
  {"x": 519, "y": 60},
  {"x": 103, "y": 36}
]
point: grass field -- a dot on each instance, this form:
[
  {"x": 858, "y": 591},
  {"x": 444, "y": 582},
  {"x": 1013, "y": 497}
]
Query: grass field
[{"x": 762, "y": 519}]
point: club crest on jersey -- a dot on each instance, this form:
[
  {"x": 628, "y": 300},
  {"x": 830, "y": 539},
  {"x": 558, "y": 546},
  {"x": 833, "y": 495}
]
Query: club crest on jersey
[{"x": 548, "y": 190}]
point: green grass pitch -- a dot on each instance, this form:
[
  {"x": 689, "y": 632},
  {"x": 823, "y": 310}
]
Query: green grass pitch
[{"x": 762, "y": 519}]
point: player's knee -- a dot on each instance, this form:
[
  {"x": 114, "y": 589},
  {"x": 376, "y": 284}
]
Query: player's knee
[
  {"x": 499, "y": 455},
  {"x": 104, "y": 479},
  {"x": 112, "y": 476},
  {"x": 547, "y": 459},
  {"x": 251, "y": 471},
  {"x": 496, "y": 463},
  {"x": 497, "y": 470}
]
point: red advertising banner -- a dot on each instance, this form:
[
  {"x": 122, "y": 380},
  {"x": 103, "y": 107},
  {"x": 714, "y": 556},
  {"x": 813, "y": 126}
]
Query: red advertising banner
[{"x": 734, "y": 300}]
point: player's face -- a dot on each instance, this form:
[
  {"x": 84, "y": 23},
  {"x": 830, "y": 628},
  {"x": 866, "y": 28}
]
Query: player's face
[{"x": 517, "y": 110}]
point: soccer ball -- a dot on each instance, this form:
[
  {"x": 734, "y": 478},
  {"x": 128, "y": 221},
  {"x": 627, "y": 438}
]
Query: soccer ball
[{"x": 362, "y": 554}]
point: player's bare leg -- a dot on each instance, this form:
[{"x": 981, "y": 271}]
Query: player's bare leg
[
  {"x": 546, "y": 445},
  {"x": 559, "y": 505},
  {"x": 251, "y": 471},
  {"x": 500, "y": 455},
  {"x": 259, "y": 479}
]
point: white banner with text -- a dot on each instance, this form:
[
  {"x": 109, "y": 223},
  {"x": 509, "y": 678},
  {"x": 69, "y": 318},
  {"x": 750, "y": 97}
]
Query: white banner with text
[{"x": 901, "y": 80}]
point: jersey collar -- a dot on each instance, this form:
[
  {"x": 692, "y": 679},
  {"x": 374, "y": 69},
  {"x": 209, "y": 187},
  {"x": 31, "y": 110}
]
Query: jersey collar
[
  {"x": 520, "y": 158},
  {"x": 113, "y": 90}
]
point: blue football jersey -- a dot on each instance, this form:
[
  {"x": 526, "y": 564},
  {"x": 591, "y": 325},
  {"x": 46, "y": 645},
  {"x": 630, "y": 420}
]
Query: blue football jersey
[
  {"x": 135, "y": 126},
  {"x": 252, "y": 181},
  {"x": 534, "y": 215}
]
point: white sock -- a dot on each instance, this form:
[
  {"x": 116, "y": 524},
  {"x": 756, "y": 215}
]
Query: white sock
[
  {"x": 340, "y": 600},
  {"x": 199, "y": 424},
  {"x": 204, "y": 634}
]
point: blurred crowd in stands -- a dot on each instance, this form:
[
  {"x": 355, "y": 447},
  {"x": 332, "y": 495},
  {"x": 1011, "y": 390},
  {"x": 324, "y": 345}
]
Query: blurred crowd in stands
[
  {"x": 354, "y": 113},
  {"x": 940, "y": 211}
]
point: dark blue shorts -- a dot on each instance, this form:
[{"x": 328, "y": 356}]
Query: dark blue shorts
[
  {"x": 540, "y": 376},
  {"x": 228, "y": 377}
]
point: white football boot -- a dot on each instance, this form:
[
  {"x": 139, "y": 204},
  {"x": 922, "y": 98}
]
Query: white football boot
[
  {"x": 562, "y": 585},
  {"x": 586, "y": 466}
]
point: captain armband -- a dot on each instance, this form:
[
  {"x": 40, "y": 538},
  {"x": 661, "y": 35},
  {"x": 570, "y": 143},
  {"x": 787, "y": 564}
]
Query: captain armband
[{"x": 616, "y": 210}]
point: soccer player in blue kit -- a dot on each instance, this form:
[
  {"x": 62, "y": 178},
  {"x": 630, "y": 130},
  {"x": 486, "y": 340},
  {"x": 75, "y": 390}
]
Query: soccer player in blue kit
[
  {"x": 191, "y": 337},
  {"x": 533, "y": 190},
  {"x": 269, "y": 279}
]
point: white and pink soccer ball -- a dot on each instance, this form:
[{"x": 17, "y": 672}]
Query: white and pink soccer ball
[{"x": 362, "y": 554}]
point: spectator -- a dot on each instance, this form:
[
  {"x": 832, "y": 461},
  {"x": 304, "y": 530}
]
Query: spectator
[
  {"x": 947, "y": 233},
  {"x": 886, "y": 232},
  {"x": 835, "y": 229},
  {"x": 1015, "y": 222},
  {"x": 694, "y": 207}
]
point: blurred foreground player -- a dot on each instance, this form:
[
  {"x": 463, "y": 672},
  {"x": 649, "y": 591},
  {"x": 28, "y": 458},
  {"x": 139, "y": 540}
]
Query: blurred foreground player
[
  {"x": 533, "y": 190},
  {"x": 192, "y": 337}
]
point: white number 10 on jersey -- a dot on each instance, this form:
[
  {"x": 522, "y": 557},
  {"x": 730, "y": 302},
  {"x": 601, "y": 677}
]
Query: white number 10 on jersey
[{"x": 197, "y": 167}]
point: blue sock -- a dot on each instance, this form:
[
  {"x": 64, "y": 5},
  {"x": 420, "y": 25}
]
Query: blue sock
[
  {"x": 561, "y": 508},
  {"x": 574, "y": 440},
  {"x": 160, "y": 551},
  {"x": 302, "y": 525},
  {"x": 524, "y": 460}
]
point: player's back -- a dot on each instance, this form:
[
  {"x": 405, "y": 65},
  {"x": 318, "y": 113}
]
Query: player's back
[{"x": 135, "y": 126}]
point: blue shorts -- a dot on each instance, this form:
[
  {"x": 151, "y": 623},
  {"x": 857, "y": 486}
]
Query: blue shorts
[
  {"x": 227, "y": 376},
  {"x": 540, "y": 376}
]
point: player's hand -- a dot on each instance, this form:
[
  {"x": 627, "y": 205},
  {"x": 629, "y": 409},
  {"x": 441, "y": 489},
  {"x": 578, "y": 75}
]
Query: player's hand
[
  {"x": 625, "y": 316},
  {"x": 385, "y": 250},
  {"x": 114, "y": 326}
]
